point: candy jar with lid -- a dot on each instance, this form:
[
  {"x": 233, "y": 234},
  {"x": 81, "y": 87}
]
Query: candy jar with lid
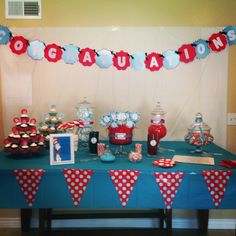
[
  {"x": 85, "y": 114},
  {"x": 199, "y": 134},
  {"x": 157, "y": 129}
]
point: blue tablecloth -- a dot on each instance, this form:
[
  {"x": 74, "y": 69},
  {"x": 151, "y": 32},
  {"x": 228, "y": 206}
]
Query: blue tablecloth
[{"x": 100, "y": 193}]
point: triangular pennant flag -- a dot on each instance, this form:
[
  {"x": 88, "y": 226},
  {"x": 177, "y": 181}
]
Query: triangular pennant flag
[
  {"x": 77, "y": 182},
  {"x": 216, "y": 181},
  {"x": 124, "y": 181},
  {"x": 168, "y": 183},
  {"x": 29, "y": 180}
]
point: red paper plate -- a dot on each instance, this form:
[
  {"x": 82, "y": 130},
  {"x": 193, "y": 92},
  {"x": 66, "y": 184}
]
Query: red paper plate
[{"x": 166, "y": 163}]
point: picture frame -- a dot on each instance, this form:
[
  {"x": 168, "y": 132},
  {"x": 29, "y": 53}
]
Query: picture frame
[{"x": 61, "y": 149}]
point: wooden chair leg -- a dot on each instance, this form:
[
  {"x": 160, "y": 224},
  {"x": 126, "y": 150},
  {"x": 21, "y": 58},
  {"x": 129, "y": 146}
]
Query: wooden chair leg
[
  {"x": 203, "y": 217},
  {"x": 26, "y": 215}
]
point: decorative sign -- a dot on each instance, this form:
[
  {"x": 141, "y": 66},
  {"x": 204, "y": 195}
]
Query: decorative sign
[
  {"x": 70, "y": 54},
  {"x": 18, "y": 45},
  {"x": 36, "y": 50},
  {"x": 171, "y": 59},
  {"x": 5, "y": 35},
  {"x": 104, "y": 58},
  {"x": 137, "y": 61},
  {"x": 230, "y": 32},
  {"x": 154, "y": 61},
  {"x": 121, "y": 60},
  {"x": 87, "y": 57},
  {"x": 61, "y": 149},
  {"x": 202, "y": 49},
  {"x": 52, "y": 52},
  {"x": 187, "y": 53}
]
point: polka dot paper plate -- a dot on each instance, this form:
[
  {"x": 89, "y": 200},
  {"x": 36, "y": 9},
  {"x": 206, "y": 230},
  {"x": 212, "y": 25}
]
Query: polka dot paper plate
[{"x": 164, "y": 162}]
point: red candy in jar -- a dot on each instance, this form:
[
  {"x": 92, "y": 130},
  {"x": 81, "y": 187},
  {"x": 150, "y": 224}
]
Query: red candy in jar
[{"x": 160, "y": 129}]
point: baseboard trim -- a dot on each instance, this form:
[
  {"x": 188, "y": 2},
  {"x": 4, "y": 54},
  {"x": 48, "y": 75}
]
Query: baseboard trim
[{"x": 179, "y": 223}]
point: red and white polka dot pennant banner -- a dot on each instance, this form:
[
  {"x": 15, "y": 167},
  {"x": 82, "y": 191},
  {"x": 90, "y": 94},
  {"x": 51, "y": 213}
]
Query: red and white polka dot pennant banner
[
  {"x": 124, "y": 181},
  {"x": 29, "y": 180},
  {"x": 216, "y": 181},
  {"x": 168, "y": 183},
  {"x": 77, "y": 182}
]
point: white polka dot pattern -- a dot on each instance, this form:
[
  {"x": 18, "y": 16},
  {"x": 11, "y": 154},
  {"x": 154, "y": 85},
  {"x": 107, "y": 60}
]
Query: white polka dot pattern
[
  {"x": 124, "y": 181},
  {"x": 168, "y": 183},
  {"x": 77, "y": 182},
  {"x": 216, "y": 181},
  {"x": 164, "y": 162},
  {"x": 29, "y": 180}
]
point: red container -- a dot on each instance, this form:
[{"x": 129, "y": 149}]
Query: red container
[
  {"x": 120, "y": 135},
  {"x": 152, "y": 144},
  {"x": 160, "y": 129}
]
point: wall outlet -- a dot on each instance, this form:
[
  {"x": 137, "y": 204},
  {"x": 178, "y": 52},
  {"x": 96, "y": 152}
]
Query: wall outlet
[{"x": 231, "y": 118}]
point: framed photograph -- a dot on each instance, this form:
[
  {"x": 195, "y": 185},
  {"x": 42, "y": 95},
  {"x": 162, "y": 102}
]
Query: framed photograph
[{"x": 61, "y": 149}]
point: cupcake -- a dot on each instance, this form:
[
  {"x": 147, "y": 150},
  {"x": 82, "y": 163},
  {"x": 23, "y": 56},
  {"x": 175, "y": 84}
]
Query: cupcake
[
  {"x": 7, "y": 147},
  {"x": 52, "y": 129},
  {"x": 24, "y": 127},
  {"x": 33, "y": 137},
  {"x": 40, "y": 145},
  {"x": 32, "y": 122},
  {"x": 25, "y": 137},
  {"x": 34, "y": 147},
  {"x": 54, "y": 119},
  {"x": 11, "y": 137},
  {"x": 44, "y": 128},
  {"x": 24, "y": 149},
  {"x": 24, "y": 118},
  {"x": 14, "y": 148},
  {"x": 16, "y": 138}
]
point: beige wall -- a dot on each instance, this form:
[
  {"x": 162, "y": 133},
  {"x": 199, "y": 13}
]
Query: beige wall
[{"x": 140, "y": 13}]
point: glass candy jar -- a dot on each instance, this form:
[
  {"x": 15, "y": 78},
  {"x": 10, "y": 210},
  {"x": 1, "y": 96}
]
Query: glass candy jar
[
  {"x": 85, "y": 114},
  {"x": 157, "y": 127},
  {"x": 199, "y": 134}
]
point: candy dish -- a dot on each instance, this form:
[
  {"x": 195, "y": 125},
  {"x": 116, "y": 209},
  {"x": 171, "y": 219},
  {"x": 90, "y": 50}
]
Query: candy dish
[
  {"x": 107, "y": 157},
  {"x": 164, "y": 162}
]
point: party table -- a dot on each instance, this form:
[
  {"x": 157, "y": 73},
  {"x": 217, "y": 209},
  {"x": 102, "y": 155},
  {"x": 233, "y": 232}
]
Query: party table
[{"x": 100, "y": 185}]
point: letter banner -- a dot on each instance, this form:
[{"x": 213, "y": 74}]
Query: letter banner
[{"x": 121, "y": 60}]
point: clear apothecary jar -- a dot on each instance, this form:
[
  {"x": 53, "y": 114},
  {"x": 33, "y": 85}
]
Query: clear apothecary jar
[
  {"x": 199, "y": 133},
  {"x": 85, "y": 114}
]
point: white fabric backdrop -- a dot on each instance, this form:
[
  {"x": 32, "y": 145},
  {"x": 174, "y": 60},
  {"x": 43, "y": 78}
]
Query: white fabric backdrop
[{"x": 200, "y": 85}]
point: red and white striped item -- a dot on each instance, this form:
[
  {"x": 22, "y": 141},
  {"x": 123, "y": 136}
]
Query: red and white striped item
[{"x": 70, "y": 125}]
